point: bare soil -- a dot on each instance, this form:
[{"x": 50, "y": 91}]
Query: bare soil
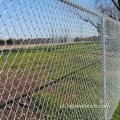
[{"x": 12, "y": 88}]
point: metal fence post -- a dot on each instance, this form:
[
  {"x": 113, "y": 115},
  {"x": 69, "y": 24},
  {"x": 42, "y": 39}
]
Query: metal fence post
[{"x": 104, "y": 63}]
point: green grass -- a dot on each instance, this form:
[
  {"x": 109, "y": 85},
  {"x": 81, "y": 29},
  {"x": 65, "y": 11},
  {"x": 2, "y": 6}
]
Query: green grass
[
  {"x": 116, "y": 115},
  {"x": 47, "y": 63},
  {"x": 71, "y": 90},
  {"x": 54, "y": 61},
  {"x": 82, "y": 87}
]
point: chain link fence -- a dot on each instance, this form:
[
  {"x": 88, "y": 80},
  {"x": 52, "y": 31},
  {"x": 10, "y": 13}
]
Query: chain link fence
[{"x": 58, "y": 60}]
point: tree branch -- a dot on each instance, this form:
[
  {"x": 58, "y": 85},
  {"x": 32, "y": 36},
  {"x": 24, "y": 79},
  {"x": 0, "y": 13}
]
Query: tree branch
[
  {"x": 119, "y": 3},
  {"x": 76, "y": 13},
  {"x": 117, "y": 6},
  {"x": 86, "y": 20},
  {"x": 79, "y": 16}
]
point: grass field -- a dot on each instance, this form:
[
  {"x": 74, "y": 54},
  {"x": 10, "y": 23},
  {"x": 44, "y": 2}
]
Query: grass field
[
  {"x": 52, "y": 61},
  {"x": 77, "y": 69}
]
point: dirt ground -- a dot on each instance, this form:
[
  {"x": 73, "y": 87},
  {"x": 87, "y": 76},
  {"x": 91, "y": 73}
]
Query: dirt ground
[
  {"x": 12, "y": 104},
  {"x": 13, "y": 88},
  {"x": 35, "y": 45},
  {"x": 22, "y": 46}
]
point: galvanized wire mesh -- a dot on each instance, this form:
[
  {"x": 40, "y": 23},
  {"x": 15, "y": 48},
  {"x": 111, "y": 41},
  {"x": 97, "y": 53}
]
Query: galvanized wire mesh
[
  {"x": 58, "y": 60},
  {"x": 112, "y": 64}
]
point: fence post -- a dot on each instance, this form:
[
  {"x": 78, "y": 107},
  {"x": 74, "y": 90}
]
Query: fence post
[{"x": 104, "y": 64}]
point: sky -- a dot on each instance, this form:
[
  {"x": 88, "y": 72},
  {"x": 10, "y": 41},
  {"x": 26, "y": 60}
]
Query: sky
[
  {"x": 88, "y": 2},
  {"x": 42, "y": 19}
]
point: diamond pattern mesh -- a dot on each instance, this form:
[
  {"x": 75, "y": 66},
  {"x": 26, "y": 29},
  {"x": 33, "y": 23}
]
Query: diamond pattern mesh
[{"x": 58, "y": 60}]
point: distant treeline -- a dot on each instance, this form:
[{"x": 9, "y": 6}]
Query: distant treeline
[
  {"x": 11, "y": 41},
  {"x": 89, "y": 39}
]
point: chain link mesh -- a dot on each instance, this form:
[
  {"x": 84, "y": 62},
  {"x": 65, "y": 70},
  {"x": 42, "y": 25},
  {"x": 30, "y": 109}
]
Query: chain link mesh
[{"x": 58, "y": 60}]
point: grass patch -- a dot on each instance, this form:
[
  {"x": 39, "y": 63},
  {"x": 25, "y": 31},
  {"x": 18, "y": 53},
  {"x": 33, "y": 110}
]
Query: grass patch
[{"x": 116, "y": 115}]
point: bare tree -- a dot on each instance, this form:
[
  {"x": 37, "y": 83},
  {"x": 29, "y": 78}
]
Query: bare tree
[
  {"x": 81, "y": 14},
  {"x": 109, "y": 7}
]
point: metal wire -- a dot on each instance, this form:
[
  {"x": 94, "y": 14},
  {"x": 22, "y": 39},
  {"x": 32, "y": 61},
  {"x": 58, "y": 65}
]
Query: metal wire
[{"x": 59, "y": 59}]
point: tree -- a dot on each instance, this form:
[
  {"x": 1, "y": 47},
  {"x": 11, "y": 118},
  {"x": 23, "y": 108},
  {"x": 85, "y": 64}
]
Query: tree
[
  {"x": 81, "y": 14},
  {"x": 109, "y": 7},
  {"x": 1, "y": 41},
  {"x": 9, "y": 41},
  {"x": 77, "y": 39}
]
